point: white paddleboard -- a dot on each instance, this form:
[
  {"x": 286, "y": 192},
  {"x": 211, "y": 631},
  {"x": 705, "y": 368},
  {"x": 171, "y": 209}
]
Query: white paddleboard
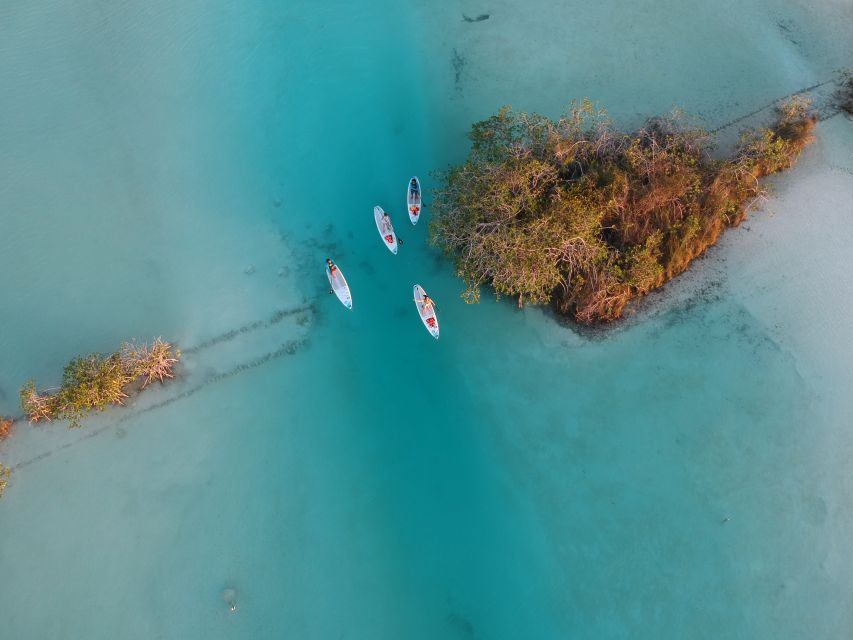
[
  {"x": 427, "y": 314},
  {"x": 386, "y": 230},
  {"x": 414, "y": 200},
  {"x": 340, "y": 287}
]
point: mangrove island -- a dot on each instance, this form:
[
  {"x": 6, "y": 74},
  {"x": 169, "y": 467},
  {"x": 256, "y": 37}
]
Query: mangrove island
[{"x": 573, "y": 213}]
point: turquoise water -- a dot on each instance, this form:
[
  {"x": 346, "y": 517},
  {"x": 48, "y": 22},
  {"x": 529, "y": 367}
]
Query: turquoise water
[{"x": 185, "y": 171}]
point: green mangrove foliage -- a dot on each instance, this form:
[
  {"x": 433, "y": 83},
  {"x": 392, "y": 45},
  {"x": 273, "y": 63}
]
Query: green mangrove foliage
[
  {"x": 575, "y": 213},
  {"x": 95, "y": 381}
]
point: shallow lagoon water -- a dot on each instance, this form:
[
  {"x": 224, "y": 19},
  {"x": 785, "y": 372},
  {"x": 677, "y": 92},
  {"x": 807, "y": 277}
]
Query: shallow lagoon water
[{"x": 684, "y": 475}]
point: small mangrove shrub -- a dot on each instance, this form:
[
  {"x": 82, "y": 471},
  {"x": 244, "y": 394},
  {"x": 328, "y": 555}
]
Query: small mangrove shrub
[
  {"x": 151, "y": 362},
  {"x": 4, "y": 478},
  {"x": 6, "y": 428},
  {"x": 96, "y": 381},
  {"x": 575, "y": 213}
]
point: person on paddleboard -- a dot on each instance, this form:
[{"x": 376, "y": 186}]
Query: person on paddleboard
[
  {"x": 413, "y": 186},
  {"x": 428, "y": 306},
  {"x": 333, "y": 271}
]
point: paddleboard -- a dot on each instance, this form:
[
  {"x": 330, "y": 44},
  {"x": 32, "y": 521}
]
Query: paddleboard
[
  {"x": 386, "y": 230},
  {"x": 427, "y": 314},
  {"x": 340, "y": 287},
  {"x": 414, "y": 200}
]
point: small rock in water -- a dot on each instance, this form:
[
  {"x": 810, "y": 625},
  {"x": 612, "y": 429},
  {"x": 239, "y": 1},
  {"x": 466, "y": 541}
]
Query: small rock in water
[
  {"x": 249, "y": 270},
  {"x": 230, "y": 598}
]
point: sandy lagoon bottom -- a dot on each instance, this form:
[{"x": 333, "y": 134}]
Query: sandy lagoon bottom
[
  {"x": 346, "y": 475},
  {"x": 683, "y": 476}
]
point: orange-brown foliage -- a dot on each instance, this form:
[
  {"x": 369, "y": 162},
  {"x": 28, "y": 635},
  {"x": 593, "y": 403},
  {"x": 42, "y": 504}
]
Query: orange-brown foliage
[
  {"x": 660, "y": 201},
  {"x": 588, "y": 218}
]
